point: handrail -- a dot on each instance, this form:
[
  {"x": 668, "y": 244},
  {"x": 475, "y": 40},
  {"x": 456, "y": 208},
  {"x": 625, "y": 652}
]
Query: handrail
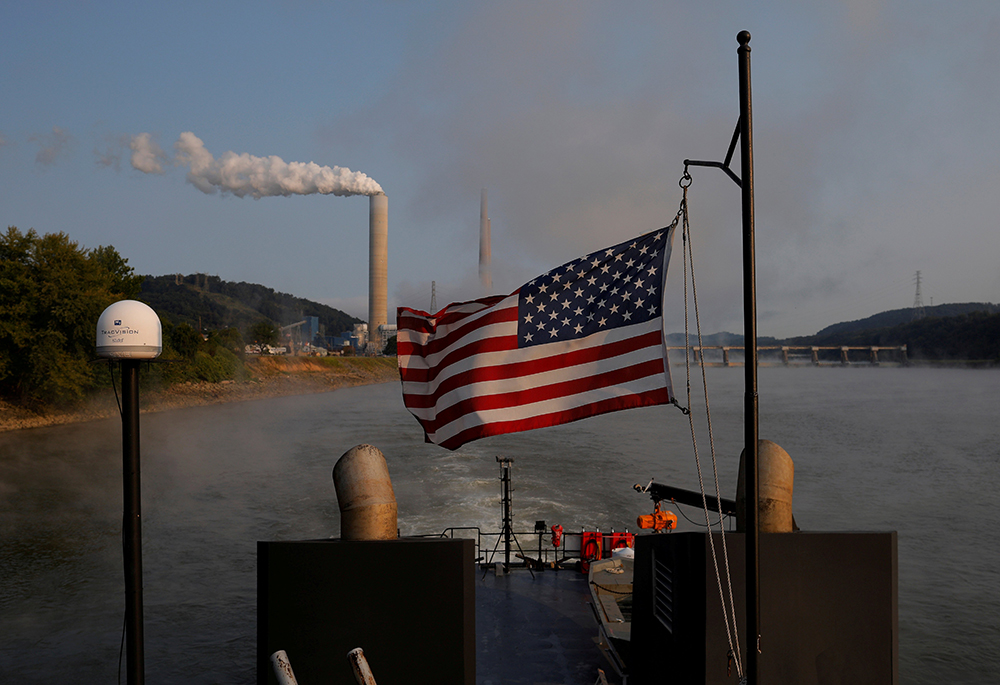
[{"x": 547, "y": 554}]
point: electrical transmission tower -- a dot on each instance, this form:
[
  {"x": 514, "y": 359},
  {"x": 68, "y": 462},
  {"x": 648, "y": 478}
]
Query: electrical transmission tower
[
  {"x": 918, "y": 301},
  {"x": 434, "y": 305}
]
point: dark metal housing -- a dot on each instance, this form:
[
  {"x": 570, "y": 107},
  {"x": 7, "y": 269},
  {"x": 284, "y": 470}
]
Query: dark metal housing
[{"x": 828, "y": 608}]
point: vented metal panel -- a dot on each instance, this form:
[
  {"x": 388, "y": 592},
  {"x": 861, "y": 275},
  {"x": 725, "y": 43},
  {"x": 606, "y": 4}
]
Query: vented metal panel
[{"x": 663, "y": 594}]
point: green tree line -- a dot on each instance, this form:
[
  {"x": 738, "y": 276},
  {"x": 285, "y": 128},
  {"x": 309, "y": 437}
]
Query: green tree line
[{"x": 51, "y": 293}]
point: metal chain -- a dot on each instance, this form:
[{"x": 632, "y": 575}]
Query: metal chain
[
  {"x": 688, "y": 255},
  {"x": 684, "y": 410},
  {"x": 682, "y": 213}
]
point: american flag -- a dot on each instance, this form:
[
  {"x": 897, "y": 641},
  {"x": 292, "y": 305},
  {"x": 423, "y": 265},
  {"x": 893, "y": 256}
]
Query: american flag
[{"x": 583, "y": 339}]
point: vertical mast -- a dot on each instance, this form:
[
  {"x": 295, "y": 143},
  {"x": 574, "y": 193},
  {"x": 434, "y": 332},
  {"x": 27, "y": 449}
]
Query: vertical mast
[
  {"x": 744, "y": 134},
  {"x": 132, "y": 524},
  {"x": 750, "y": 345}
]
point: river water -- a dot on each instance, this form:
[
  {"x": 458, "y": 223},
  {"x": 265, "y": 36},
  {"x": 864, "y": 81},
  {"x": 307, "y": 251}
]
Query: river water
[{"x": 908, "y": 449}]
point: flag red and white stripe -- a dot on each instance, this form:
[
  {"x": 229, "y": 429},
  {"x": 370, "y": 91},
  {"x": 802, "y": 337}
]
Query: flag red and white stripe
[{"x": 560, "y": 348}]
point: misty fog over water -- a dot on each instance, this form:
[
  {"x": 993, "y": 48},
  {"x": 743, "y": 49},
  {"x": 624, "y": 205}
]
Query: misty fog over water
[{"x": 906, "y": 449}]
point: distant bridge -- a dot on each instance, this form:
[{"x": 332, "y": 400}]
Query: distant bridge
[{"x": 796, "y": 355}]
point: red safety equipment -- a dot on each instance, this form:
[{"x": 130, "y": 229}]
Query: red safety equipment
[
  {"x": 590, "y": 546},
  {"x": 557, "y": 532},
  {"x": 621, "y": 540},
  {"x": 590, "y": 549},
  {"x": 659, "y": 520}
]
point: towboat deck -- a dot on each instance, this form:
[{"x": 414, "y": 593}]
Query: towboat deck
[
  {"x": 536, "y": 630},
  {"x": 611, "y": 595}
]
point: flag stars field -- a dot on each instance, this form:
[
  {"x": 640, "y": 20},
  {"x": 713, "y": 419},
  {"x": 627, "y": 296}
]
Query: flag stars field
[{"x": 576, "y": 286}]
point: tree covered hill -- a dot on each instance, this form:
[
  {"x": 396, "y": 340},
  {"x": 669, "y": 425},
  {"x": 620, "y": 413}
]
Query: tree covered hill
[
  {"x": 215, "y": 304},
  {"x": 967, "y": 331},
  {"x": 973, "y": 335},
  {"x": 898, "y": 317}
]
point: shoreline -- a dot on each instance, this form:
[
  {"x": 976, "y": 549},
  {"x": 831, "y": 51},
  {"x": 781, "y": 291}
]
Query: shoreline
[{"x": 269, "y": 377}]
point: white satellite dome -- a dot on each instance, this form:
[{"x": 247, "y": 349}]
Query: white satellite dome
[{"x": 129, "y": 330}]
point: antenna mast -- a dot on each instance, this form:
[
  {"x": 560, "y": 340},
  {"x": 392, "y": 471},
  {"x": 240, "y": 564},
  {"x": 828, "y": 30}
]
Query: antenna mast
[{"x": 918, "y": 301}]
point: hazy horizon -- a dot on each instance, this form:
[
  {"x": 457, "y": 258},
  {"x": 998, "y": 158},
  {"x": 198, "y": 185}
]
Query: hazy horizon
[{"x": 362, "y": 313}]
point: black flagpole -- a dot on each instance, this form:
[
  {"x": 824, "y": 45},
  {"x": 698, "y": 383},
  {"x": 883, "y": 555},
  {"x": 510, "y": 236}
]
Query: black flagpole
[
  {"x": 744, "y": 134},
  {"x": 132, "y": 523},
  {"x": 750, "y": 347}
]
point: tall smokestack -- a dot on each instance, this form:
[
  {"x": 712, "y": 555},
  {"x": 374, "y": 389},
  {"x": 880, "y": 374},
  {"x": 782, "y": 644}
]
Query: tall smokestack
[
  {"x": 378, "y": 260},
  {"x": 485, "y": 258}
]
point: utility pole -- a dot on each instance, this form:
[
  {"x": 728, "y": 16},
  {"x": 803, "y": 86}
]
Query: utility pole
[{"x": 918, "y": 301}]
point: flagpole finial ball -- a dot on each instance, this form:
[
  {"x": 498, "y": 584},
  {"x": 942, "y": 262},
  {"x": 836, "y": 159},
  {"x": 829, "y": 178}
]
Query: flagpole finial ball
[{"x": 743, "y": 37}]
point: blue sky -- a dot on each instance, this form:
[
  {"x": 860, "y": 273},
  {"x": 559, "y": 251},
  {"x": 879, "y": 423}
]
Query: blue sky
[{"x": 876, "y": 142}]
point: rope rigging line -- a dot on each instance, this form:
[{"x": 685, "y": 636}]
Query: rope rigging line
[
  {"x": 729, "y": 612},
  {"x": 692, "y": 521}
]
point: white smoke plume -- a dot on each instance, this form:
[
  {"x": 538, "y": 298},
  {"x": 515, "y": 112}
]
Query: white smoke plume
[
  {"x": 111, "y": 157},
  {"x": 147, "y": 155},
  {"x": 53, "y": 145},
  {"x": 244, "y": 174}
]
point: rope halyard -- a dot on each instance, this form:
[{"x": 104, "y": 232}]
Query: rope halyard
[{"x": 688, "y": 257}]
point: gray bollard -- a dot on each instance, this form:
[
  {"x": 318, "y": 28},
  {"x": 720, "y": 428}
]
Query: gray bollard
[
  {"x": 776, "y": 476},
  {"x": 283, "y": 668},
  {"x": 364, "y": 493},
  {"x": 362, "y": 672}
]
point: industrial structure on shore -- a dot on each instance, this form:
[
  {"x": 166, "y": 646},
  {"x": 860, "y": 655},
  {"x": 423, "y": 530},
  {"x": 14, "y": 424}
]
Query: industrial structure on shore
[
  {"x": 485, "y": 257},
  {"x": 379, "y": 330}
]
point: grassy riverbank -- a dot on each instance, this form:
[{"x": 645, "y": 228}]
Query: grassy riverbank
[{"x": 265, "y": 377}]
